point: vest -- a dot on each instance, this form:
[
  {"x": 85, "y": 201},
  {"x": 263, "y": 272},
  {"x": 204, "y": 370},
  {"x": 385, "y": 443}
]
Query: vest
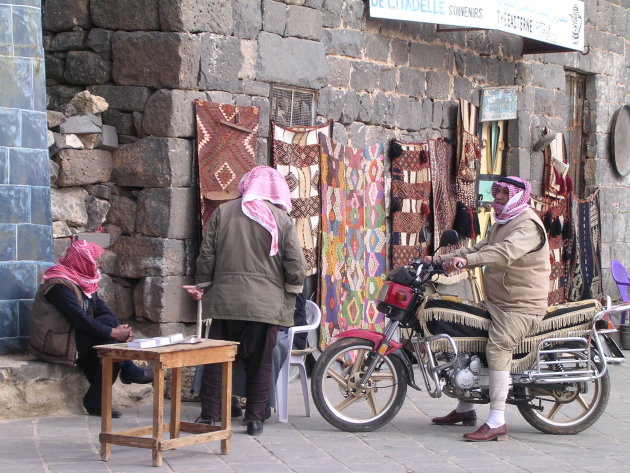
[
  {"x": 51, "y": 336},
  {"x": 523, "y": 286}
]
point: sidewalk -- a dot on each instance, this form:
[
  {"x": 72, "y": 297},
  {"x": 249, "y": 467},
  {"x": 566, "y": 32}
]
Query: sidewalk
[{"x": 309, "y": 445}]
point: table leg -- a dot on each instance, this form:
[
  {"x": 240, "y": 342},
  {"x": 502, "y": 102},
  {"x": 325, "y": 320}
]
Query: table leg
[
  {"x": 226, "y": 404},
  {"x": 176, "y": 401},
  {"x": 106, "y": 405},
  {"x": 158, "y": 411}
]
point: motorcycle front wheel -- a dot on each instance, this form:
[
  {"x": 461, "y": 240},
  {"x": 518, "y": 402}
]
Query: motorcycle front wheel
[
  {"x": 339, "y": 399},
  {"x": 568, "y": 408}
]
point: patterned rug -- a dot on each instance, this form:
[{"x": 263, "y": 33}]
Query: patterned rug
[
  {"x": 353, "y": 263},
  {"x": 444, "y": 197},
  {"x": 411, "y": 201},
  {"x": 226, "y": 146},
  {"x": 295, "y": 154},
  {"x": 586, "y": 270}
]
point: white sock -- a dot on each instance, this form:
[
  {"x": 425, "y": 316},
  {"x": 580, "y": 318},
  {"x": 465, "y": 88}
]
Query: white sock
[
  {"x": 464, "y": 407},
  {"x": 496, "y": 418}
]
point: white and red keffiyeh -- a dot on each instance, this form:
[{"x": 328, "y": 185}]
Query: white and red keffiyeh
[
  {"x": 264, "y": 183},
  {"x": 80, "y": 265},
  {"x": 519, "y": 192}
]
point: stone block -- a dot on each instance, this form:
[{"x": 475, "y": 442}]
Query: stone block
[
  {"x": 117, "y": 294},
  {"x": 123, "y": 98},
  {"x": 364, "y": 76},
  {"x": 122, "y": 213},
  {"x": 153, "y": 162},
  {"x": 138, "y": 118},
  {"x": 68, "y": 205},
  {"x": 87, "y": 68},
  {"x": 159, "y": 60},
  {"x": 399, "y": 52},
  {"x": 68, "y": 41},
  {"x": 97, "y": 211},
  {"x": 304, "y": 23},
  {"x": 163, "y": 300},
  {"x": 102, "y": 191},
  {"x": 247, "y": 17},
  {"x": 53, "y": 171},
  {"x": 102, "y": 239},
  {"x": 79, "y": 167},
  {"x": 350, "y": 109},
  {"x": 34, "y": 242},
  {"x": 376, "y": 47},
  {"x": 85, "y": 102},
  {"x": 19, "y": 280},
  {"x": 339, "y": 71},
  {"x": 54, "y": 119},
  {"x": 139, "y": 257},
  {"x": 8, "y": 250},
  {"x": 194, "y": 16},
  {"x": 121, "y": 121},
  {"x": 63, "y": 15},
  {"x": 429, "y": 56},
  {"x": 438, "y": 85},
  {"x": 169, "y": 212},
  {"x": 387, "y": 78},
  {"x": 109, "y": 137},
  {"x": 84, "y": 123},
  {"x": 28, "y": 167},
  {"x": 274, "y": 17},
  {"x": 58, "y": 95},
  {"x": 129, "y": 15},
  {"x": 90, "y": 141},
  {"x": 330, "y": 103},
  {"x": 60, "y": 229},
  {"x": 40, "y": 205},
  {"x": 411, "y": 82},
  {"x": 60, "y": 246},
  {"x": 221, "y": 62},
  {"x": 171, "y": 113},
  {"x": 344, "y": 43},
  {"x": 100, "y": 41}
]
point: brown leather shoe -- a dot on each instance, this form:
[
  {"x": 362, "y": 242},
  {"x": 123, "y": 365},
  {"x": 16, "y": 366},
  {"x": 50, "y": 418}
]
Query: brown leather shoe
[
  {"x": 466, "y": 418},
  {"x": 485, "y": 434}
]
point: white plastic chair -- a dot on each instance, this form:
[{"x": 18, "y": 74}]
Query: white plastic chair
[{"x": 296, "y": 358}]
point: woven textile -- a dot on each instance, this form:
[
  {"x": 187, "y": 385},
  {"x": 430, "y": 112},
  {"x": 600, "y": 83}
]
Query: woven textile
[
  {"x": 295, "y": 154},
  {"x": 226, "y": 146},
  {"x": 444, "y": 201},
  {"x": 411, "y": 200},
  {"x": 586, "y": 270},
  {"x": 353, "y": 263},
  {"x": 468, "y": 323}
]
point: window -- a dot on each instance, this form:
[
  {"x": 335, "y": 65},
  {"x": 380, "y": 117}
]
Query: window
[{"x": 292, "y": 107}]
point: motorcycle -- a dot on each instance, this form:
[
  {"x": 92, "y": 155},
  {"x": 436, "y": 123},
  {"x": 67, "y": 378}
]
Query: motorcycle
[{"x": 359, "y": 382}]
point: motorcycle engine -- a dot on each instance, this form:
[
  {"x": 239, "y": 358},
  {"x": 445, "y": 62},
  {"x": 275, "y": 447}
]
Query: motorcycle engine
[{"x": 466, "y": 373}]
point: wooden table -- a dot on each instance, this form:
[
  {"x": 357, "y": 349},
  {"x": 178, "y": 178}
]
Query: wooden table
[{"x": 173, "y": 357}]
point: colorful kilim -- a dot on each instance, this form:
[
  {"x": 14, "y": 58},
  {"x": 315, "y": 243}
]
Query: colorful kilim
[
  {"x": 444, "y": 198},
  {"x": 557, "y": 210},
  {"x": 296, "y": 156},
  {"x": 353, "y": 263},
  {"x": 411, "y": 200},
  {"x": 586, "y": 271},
  {"x": 226, "y": 146}
]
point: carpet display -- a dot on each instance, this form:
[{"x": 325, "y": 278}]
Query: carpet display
[
  {"x": 441, "y": 162},
  {"x": 410, "y": 200},
  {"x": 586, "y": 270},
  {"x": 226, "y": 147},
  {"x": 295, "y": 154},
  {"x": 353, "y": 262}
]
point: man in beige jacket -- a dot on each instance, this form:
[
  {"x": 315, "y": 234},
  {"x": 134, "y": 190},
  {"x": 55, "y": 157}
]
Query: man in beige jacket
[{"x": 516, "y": 280}]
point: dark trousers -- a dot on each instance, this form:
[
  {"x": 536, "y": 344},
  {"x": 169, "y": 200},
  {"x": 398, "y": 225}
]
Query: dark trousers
[
  {"x": 90, "y": 363},
  {"x": 257, "y": 341}
]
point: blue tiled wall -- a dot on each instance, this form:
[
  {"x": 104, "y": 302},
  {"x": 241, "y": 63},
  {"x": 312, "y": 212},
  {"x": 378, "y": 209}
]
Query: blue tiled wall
[{"x": 25, "y": 217}]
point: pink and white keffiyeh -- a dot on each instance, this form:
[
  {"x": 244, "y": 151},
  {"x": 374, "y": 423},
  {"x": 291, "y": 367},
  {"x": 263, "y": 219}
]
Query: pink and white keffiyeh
[
  {"x": 80, "y": 265},
  {"x": 519, "y": 192},
  {"x": 264, "y": 183}
]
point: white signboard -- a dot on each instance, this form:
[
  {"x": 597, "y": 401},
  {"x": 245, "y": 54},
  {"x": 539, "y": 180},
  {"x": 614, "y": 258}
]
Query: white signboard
[{"x": 559, "y": 22}]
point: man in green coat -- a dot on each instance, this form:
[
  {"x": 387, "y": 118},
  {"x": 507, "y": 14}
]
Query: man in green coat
[{"x": 249, "y": 270}]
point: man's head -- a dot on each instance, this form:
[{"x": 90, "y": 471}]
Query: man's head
[{"x": 511, "y": 196}]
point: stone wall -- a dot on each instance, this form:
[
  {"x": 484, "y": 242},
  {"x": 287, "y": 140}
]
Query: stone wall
[
  {"x": 25, "y": 231},
  {"x": 150, "y": 59}
]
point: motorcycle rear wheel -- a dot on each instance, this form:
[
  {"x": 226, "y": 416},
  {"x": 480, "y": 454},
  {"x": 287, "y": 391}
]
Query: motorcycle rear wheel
[
  {"x": 336, "y": 394},
  {"x": 567, "y": 412}
]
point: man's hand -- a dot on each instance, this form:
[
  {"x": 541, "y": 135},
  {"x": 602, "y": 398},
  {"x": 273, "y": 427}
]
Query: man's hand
[
  {"x": 122, "y": 333},
  {"x": 194, "y": 291},
  {"x": 454, "y": 265},
  {"x": 431, "y": 259}
]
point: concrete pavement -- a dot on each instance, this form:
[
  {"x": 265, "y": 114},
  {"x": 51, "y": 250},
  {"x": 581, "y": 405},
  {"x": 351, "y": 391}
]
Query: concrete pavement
[{"x": 410, "y": 443}]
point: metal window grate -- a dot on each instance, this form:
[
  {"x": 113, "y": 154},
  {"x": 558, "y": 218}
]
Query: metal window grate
[{"x": 292, "y": 107}]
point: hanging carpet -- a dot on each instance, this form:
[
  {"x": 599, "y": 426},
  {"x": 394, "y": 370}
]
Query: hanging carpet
[
  {"x": 295, "y": 153},
  {"x": 226, "y": 147},
  {"x": 586, "y": 271},
  {"x": 353, "y": 261},
  {"x": 410, "y": 200}
]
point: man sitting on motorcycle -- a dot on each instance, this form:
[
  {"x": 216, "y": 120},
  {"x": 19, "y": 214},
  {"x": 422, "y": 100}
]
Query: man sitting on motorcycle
[{"x": 515, "y": 254}]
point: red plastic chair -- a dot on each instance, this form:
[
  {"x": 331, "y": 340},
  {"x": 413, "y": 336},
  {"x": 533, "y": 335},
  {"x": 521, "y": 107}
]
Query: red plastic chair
[{"x": 620, "y": 276}]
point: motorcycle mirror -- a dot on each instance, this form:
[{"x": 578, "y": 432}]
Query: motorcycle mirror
[{"x": 448, "y": 238}]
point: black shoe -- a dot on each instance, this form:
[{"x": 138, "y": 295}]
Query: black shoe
[
  {"x": 97, "y": 412},
  {"x": 237, "y": 410},
  {"x": 267, "y": 413},
  {"x": 254, "y": 427},
  {"x": 212, "y": 422},
  {"x": 137, "y": 375}
]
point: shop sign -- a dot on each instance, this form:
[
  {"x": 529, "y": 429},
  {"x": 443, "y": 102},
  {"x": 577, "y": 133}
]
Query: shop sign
[
  {"x": 498, "y": 103},
  {"x": 559, "y": 22}
]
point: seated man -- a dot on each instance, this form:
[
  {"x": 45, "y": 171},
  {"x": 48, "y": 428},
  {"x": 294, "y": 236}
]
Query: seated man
[{"x": 69, "y": 289}]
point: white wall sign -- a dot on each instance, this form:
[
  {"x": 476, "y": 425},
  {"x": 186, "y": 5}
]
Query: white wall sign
[
  {"x": 498, "y": 103},
  {"x": 559, "y": 22}
]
